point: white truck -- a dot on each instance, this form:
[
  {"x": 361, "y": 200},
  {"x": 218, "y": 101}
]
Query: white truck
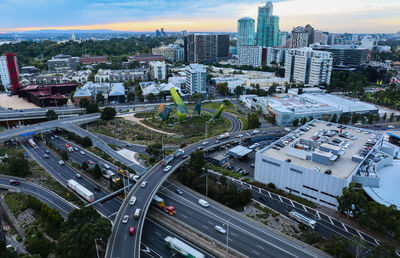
[{"x": 81, "y": 190}]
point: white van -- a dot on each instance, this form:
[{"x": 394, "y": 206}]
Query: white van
[
  {"x": 204, "y": 203},
  {"x": 136, "y": 215},
  {"x": 132, "y": 200}
]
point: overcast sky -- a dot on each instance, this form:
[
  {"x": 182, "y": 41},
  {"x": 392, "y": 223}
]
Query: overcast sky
[{"x": 354, "y": 16}]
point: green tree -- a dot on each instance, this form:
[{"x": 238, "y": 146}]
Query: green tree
[
  {"x": 384, "y": 250},
  {"x": 197, "y": 161},
  {"x": 377, "y": 118},
  {"x": 51, "y": 115},
  {"x": 222, "y": 88},
  {"x": 18, "y": 166},
  {"x": 100, "y": 98},
  {"x": 97, "y": 171},
  {"x": 84, "y": 102},
  {"x": 64, "y": 155},
  {"x": 384, "y": 117},
  {"x": 108, "y": 113},
  {"x": 84, "y": 165},
  {"x": 86, "y": 141},
  {"x": 334, "y": 118},
  {"x": 253, "y": 121},
  {"x": 295, "y": 122},
  {"x": 354, "y": 118},
  {"x": 352, "y": 199},
  {"x": 337, "y": 247},
  {"x": 391, "y": 117},
  {"x": 154, "y": 149},
  {"x": 92, "y": 108},
  {"x": 151, "y": 97},
  {"x": 239, "y": 90},
  {"x": 303, "y": 120},
  {"x": 397, "y": 118},
  {"x": 370, "y": 118},
  {"x": 131, "y": 96}
]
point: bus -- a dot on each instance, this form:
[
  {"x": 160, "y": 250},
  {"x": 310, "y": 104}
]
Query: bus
[
  {"x": 32, "y": 143},
  {"x": 182, "y": 248},
  {"x": 302, "y": 219}
]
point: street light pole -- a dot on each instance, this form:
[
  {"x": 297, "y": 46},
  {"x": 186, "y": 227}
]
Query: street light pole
[{"x": 97, "y": 251}]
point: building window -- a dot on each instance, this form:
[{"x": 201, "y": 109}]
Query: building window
[
  {"x": 312, "y": 197},
  {"x": 328, "y": 203},
  {"x": 328, "y": 194},
  {"x": 310, "y": 188},
  {"x": 296, "y": 170},
  {"x": 272, "y": 163}
]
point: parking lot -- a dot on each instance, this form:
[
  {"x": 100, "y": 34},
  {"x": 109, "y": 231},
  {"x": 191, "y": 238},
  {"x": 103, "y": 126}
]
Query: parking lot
[{"x": 244, "y": 165}]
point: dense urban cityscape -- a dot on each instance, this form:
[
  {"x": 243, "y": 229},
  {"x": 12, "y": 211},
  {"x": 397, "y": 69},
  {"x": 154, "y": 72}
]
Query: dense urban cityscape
[{"x": 192, "y": 142}]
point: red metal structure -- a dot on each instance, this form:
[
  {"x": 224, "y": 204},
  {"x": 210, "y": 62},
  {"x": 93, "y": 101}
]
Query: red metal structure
[{"x": 12, "y": 72}]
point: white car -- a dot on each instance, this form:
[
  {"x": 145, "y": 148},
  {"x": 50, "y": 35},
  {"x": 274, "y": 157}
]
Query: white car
[
  {"x": 61, "y": 162},
  {"x": 78, "y": 175},
  {"x": 76, "y": 148},
  {"x": 256, "y": 132},
  {"x": 220, "y": 229},
  {"x": 107, "y": 166},
  {"x": 143, "y": 184},
  {"x": 239, "y": 136},
  {"x": 167, "y": 168},
  {"x": 204, "y": 203},
  {"x": 205, "y": 143},
  {"x": 82, "y": 152},
  {"x": 132, "y": 200},
  {"x": 125, "y": 219}
]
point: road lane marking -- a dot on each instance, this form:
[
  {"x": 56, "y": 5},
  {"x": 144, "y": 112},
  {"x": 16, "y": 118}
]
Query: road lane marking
[
  {"x": 319, "y": 217},
  {"x": 270, "y": 196},
  {"x": 259, "y": 190},
  {"x": 280, "y": 198},
  {"x": 291, "y": 203},
  {"x": 257, "y": 253},
  {"x": 344, "y": 226},
  {"x": 360, "y": 235},
  {"x": 331, "y": 220},
  {"x": 376, "y": 241},
  {"x": 158, "y": 233},
  {"x": 259, "y": 246},
  {"x": 204, "y": 226},
  {"x": 304, "y": 207}
]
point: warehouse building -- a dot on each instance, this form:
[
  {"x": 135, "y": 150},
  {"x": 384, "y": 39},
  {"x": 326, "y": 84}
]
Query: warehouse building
[{"x": 319, "y": 159}]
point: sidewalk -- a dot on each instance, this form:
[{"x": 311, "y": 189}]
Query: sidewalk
[{"x": 130, "y": 117}]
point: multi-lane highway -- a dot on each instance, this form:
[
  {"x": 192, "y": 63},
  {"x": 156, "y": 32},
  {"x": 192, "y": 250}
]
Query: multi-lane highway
[
  {"x": 243, "y": 234},
  {"x": 108, "y": 209},
  {"x": 118, "y": 246},
  {"x": 46, "y": 126}
]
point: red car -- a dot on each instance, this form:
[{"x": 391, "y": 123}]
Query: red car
[{"x": 131, "y": 231}]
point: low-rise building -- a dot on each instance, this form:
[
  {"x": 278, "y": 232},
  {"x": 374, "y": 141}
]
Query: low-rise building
[
  {"x": 146, "y": 58},
  {"x": 107, "y": 75},
  {"x": 318, "y": 160},
  {"x": 88, "y": 60},
  {"x": 285, "y": 108}
]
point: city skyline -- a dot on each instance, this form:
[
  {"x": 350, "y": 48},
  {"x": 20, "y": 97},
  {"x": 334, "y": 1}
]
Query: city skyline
[{"x": 356, "y": 16}]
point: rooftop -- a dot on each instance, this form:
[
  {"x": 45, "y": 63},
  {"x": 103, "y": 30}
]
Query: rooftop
[{"x": 320, "y": 138}]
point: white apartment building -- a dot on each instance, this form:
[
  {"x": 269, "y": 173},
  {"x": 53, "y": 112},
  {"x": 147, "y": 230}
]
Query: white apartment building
[
  {"x": 250, "y": 55},
  {"x": 158, "y": 70},
  {"x": 308, "y": 66},
  {"x": 275, "y": 55},
  {"x": 196, "y": 79},
  {"x": 4, "y": 76}
]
